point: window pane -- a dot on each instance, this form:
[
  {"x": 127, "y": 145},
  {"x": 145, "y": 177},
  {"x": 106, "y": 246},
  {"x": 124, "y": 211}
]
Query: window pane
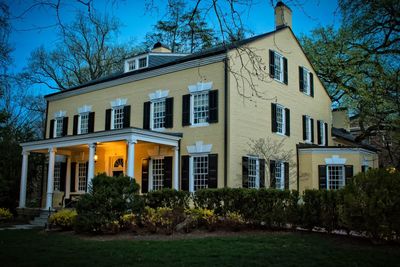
[
  {"x": 158, "y": 173},
  {"x": 200, "y": 172},
  {"x": 253, "y": 173},
  {"x": 159, "y": 114},
  {"x": 57, "y": 176},
  {"x": 306, "y": 82},
  {"x": 59, "y": 127},
  {"x": 278, "y": 67},
  {"x": 82, "y": 177},
  {"x": 132, "y": 65},
  {"x": 200, "y": 108},
  {"x": 280, "y": 120},
  {"x": 336, "y": 178},
  {"x": 279, "y": 172},
  {"x": 84, "y": 123},
  {"x": 308, "y": 128},
  {"x": 118, "y": 118},
  {"x": 142, "y": 62}
]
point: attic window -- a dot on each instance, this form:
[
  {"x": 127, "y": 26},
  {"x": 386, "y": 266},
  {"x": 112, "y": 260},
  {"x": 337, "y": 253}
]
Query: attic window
[
  {"x": 131, "y": 65},
  {"x": 136, "y": 63},
  {"x": 142, "y": 62}
]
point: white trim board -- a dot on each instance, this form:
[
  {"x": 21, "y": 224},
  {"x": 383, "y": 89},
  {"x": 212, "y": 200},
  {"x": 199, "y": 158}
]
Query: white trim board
[{"x": 338, "y": 150}]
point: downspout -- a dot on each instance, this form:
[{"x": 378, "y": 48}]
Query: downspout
[
  {"x": 226, "y": 122},
  {"x": 45, "y": 122},
  {"x": 298, "y": 168}
]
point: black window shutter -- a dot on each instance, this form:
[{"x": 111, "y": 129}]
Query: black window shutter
[
  {"x": 311, "y": 84},
  {"x": 326, "y": 134},
  {"x": 301, "y": 79},
  {"x": 63, "y": 175},
  {"x": 91, "y": 122},
  {"x": 87, "y": 171},
  {"x": 51, "y": 133},
  {"x": 262, "y": 172},
  {"x": 245, "y": 172},
  {"x": 146, "y": 115},
  {"x": 312, "y": 130},
  {"x": 185, "y": 173},
  {"x": 186, "y": 110},
  {"x": 364, "y": 168},
  {"x": 349, "y": 173},
  {"x": 285, "y": 71},
  {"x": 322, "y": 176},
  {"x": 271, "y": 64},
  {"x": 167, "y": 172},
  {"x": 213, "y": 106},
  {"x": 287, "y": 118},
  {"x": 319, "y": 140},
  {"x": 212, "y": 170},
  {"x": 65, "y": 126},
  {"x": 127, "y": 116},
  {"x": 169, "y": 112},
  {"x": 145, "y": 175},
  {"x": 304, "y": 127},
  {"x": 272, "y": 177},
  {"x": 286, "y": 167},
  {"x": 108, "y": 119},
  {"x": 75, "y": 125},
  {"x": 73, "y": 171},
  {"x": 273, "y": 118}
]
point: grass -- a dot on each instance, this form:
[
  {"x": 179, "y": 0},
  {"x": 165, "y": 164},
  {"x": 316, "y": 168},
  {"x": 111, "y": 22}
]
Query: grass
[{"x": 36, "y": 248}]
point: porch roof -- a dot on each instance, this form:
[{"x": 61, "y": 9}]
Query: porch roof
[{"x": 132, "y": 134}]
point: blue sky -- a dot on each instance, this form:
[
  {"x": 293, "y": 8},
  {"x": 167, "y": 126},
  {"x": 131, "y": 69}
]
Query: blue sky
[{"x": 136, "y": 22}]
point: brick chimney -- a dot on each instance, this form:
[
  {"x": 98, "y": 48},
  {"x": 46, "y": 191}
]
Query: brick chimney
[{"x": 283, "y": 15}]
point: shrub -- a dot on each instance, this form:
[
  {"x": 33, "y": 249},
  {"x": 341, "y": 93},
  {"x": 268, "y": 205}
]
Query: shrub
[
  {"x": 128, "y": 221},
  {"x": 168, "y": 198},
  {"x": 109, "y": 198},
  {"x": 65, "y": 219},
  {"x": 371, "y": 204},
  {"x": 161, "y": 218},
  {"x": 233, "y": 220},
  {"x": 202, "y": 217},
  {"x": 5, "y": 215}
]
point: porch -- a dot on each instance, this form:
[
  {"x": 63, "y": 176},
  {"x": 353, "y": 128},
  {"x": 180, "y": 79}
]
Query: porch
[{"x": 73, "y": 161}]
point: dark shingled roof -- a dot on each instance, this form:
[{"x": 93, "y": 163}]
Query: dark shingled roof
[{"x": 343, "y": 134}]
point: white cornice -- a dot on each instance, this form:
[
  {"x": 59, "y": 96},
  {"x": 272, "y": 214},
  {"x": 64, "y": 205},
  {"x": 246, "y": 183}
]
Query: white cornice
[
  {"x": 335, "y": 159},
  {"x": 158, "y": 94},
  {"x": 60, "y": 114},
  {"x": 200, "y": 86},
  {"x": 199, "y": 148},
  {"x": 84, "y": 109},
  {"x": 118, "y": 102}
]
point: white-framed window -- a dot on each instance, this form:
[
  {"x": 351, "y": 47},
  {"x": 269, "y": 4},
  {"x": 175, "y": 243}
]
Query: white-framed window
[
  {"x": 200, "y": 172},
  {"x": 142, "y": 62},
  {"x": 335, "y": 176},
  {"x": 158, "y": 114},
  {"x": 308, "y": 129},
  {"x": 58, "y": 127},
  {"x": 136, "y": 63},
  {"x": 117, "y": 117},
  {"x": 279, "y": 175},
  {"x": 322, "y": 133},
  {"x": 57, "y": 176},
  {"x": 157, "y": 173},
  {"x": 306, "y": 82},
  {"x": 200, "y": 108},
  {"x": 83, "y": 124},
  {"x": 254, "y": 172},
  {"x": 278, "y": 75},
  {"x": 131, "y": 65},
  {"x": 280, "y": 119},
  {"x": 82, "y": 176}
]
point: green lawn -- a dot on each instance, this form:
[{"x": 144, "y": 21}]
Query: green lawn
[{"x": 36, "y": 248}]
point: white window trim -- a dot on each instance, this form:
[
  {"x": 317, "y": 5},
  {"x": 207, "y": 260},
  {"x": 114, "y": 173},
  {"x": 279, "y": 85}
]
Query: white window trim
[
  {"x": 309, "y": 129},
  {"x": 322, "y": 131},
  {"x": 58, "y": 120},
  {"x": 152, "y": 114},
  {"x": 283, "y": 133},
  {"x": 200, "y": 87},
  {"x": 335, "y": 160},
  {"x": 191, "y": 169},
  {"x": 150, "y": 186},
  {"x": 328, "y": 177},
  {"x": 281, "y": 76},
  {"x": 77, "y": 177},
  {"x": 57, "y": 165},
  {"x": 192, "y": 124},
  {"x": 307, "y": 89},
  {"x": 80, "y": 121},
  {"x": 282, "y": 178},
  {"x": 136, "y": 61},
  {"x": 257, "y": 182},
  {"x": 112, "y": 126}
]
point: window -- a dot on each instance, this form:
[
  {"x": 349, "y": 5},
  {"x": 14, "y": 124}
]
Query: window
[
  {"x": 84, "y": 123},
  {"x": 308, "y": 130},
  {"x": 200, "y": 172},
  {"x": 57, "y": 176},
  {"x": 322, "y": 132},
  {"x": 158, "y": 114},
  {"x": 118, "y": 116},
  {"x": 280, "y": 175},
  {"x": 280, "y": 119},
  {"x": 336, "y": 176},
  {"x": 82, "y": 177},
  {"x": 306, "y": 81},
  {"x": 142, "y": 62},
  {"x": 278, "y": 75},
  {"x": 200, "y": 108},
  {"x": 157, "y": 173},
  {"x": 254, "y": 174},
  {"x": 132, "y": 65},
  {"x": 58, "y": 127}
]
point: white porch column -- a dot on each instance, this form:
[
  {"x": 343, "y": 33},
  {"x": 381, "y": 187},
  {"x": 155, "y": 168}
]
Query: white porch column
[
  {"x": 176, "y": 166},
  {"x": 24, "y": 177},
  {"x": 131, "y": 157},
  {"x": 68, "y": 178},
  {"x": 92, "y": 152},
  {"x": 50, "y": 178}
]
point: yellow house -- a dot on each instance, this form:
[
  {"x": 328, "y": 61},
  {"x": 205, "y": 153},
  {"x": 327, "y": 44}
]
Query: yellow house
[{"x": 189, "y": 121}]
